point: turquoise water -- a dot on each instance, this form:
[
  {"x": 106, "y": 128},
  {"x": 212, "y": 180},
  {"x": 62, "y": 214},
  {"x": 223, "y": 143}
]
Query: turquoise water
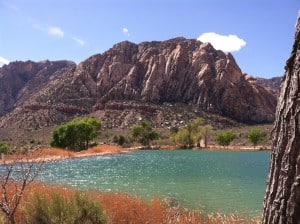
[{"x": 212, "y": 181}]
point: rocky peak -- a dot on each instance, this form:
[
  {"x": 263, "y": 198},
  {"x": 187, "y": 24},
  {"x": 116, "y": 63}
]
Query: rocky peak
[
  {"x": 19, "y": 80},
  {"x": 272, "y": 84},
  {"x": 176, "y": 71}
]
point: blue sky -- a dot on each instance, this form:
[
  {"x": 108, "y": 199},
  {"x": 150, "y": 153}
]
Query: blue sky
[{"x": 259, "y": 33}]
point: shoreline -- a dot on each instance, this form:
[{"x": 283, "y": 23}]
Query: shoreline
[
  {"x": 230, "y": 148},
  {"x": 55, "y": 154}
]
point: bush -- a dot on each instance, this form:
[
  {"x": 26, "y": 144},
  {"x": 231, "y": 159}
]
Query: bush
[
  {"x": 120, "y": 140},
  {"x": 4, "y": 148},
  {"x": 255, "y": 135},
  {"x": 144, "y": 133},
  {"x": 191, "y": 134},
  {"x": 183, "y": 137},
  {"x": 225, "y": 138},
  {"x": 76, "y": 134},
  {"x": 57, "y": 209}
]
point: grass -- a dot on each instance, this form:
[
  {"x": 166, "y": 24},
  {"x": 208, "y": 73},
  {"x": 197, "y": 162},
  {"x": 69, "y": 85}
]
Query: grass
[
  {"x": 119, "y": 208},
  {"x": 52, "y": 154}
]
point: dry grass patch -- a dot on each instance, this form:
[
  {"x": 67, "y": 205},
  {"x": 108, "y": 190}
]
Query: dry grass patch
[
  {"x": 49, "y": 154},
  {"x": 124, "y": 208},
  {"x": 103, "y": 149}
]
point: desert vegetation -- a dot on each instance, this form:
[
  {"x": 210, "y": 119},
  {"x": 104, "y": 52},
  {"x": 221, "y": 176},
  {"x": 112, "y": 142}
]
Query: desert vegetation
[
  {"x": 224, "y": 138},
  {"x": 76, "y": 134},
  {"x": 4, "y": 148},
  {"x": 55, "y": 204},
  {"x": 25, "y": 201},
  {"x": 144, "y": 133},
  {"x": 191, "y": 135},
  {"x": 81, "y": 133},
  {"x": 14, "y": 179},
  {"x": 255, "y": 136}
]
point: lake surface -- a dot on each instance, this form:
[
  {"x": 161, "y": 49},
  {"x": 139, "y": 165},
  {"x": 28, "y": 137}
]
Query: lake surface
[{"x": 213, "y": 181}]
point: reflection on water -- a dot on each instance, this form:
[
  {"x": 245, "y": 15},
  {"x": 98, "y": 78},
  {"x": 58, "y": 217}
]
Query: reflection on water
[{"x": 213, "y": 181}]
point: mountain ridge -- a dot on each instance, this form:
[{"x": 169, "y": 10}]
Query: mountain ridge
[{"x": 128, "y": 75}]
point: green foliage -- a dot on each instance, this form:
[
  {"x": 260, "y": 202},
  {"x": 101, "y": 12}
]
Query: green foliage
[
  {"x": 4, "y": 148},
  {"x": 255, "y": 135},
  {"x": 205, "y": 133},
  {"x": 191, "y": 134},
  {"x": 57, "y": 209},
  {"x": 144, "y": 133},
  {"x": 120, "y": 140},
  {"x": 76, "y": 134},
  {"x": 225, "y": 138},
  {"x": 183, "y": 137}
]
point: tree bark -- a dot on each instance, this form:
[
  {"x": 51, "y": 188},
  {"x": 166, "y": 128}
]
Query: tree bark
[{"x": 282, "y": 198}]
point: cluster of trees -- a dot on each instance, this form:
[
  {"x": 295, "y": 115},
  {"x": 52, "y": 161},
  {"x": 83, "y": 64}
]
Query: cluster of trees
[
  {"x": 198, "y": 130},
  {"x": 76, "y": 134},
  {"x": 79, "y": 132},
  {"x": 254, "y": 136},
  {"x": 192, "y": 134},
  {"x": 144, "y": 133}
]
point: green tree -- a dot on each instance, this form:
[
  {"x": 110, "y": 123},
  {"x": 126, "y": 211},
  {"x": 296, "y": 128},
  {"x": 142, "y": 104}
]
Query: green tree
[
  {"x": 225, "y": 138},
  {"x": 4, "y": 148},
  {"x": 255, "y": 135},
  {"x": 144, "y": 133},
  {"x": 76, "y": 134},
  {"x": 205, "y": 133},
  {"x": 183, "y": 137},
  {"x": 191, "y": 134}
]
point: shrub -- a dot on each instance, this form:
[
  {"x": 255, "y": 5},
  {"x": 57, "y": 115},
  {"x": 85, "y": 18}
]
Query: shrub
[
  {"x": 255, "y": 135},
  {"x": 120, "y": 140},
  {"x": 144, "y": 133},
  {"x": 191, "y": 134},
  {"x": 4, "y": 148},
  {"x": 183, "y": 137},
  {"x": 57, "y": 209},
  {"x": 225, "y": 138},
  {"x": 76, "y": 134}
]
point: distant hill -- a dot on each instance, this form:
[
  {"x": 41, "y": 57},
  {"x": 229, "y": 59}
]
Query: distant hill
[
  {"x": 168, "y": 82},
  {"x": 272, "y": 84}
]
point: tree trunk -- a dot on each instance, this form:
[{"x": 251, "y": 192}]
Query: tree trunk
[{"x": 282, "y": 199}]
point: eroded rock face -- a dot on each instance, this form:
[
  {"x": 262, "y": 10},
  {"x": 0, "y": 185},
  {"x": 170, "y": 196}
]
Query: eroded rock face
[
  {"x": 174, "y": 71},
  {"x": 182, "y": 70},
  {"x": 272, "y": 84},
  {"x": 20, "y": 80}
]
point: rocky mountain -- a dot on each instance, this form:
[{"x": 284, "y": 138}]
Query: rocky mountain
[
  {"x": 168, "y": 82},
  {"x": 272, "y": 84},
  {"x": 19, "y": 80}
]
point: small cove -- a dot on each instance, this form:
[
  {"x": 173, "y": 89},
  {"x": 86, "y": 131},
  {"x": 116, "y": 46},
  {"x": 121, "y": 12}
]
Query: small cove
[{"x": 213, "y": 181}]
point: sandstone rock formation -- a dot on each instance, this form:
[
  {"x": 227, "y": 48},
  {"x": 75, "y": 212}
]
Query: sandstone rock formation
[
  {"x": 272, "y": 84},
  {"x": 19, "y": 80},
  {"x": 133, "y": 77}
]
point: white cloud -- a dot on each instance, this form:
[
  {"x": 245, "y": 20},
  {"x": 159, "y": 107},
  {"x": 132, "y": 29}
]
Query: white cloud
[
  {"x": 56, "y": 31},
  {"x": 3, "y": 61},
  {"x": 126, "y": 31},
  {"x": 79, "y": 41},
  {"x": 225, "y": 43}
]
